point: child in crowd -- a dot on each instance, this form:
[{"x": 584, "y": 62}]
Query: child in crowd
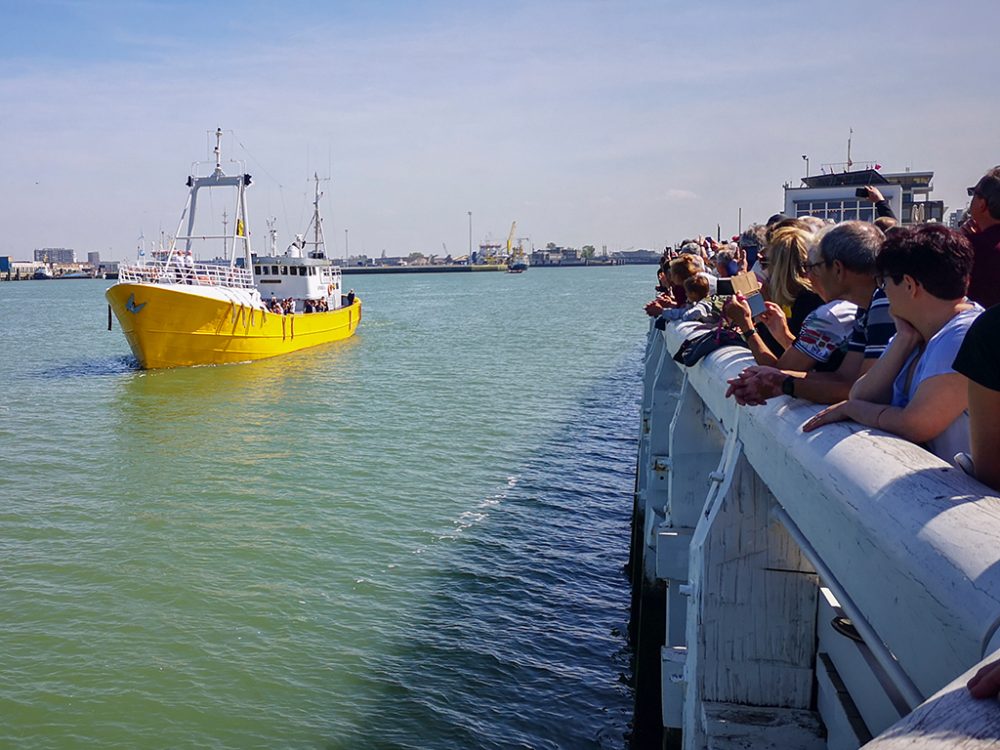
[{"x": 701, "y": 305}]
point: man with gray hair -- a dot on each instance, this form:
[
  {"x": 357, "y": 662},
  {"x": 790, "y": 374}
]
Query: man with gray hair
[
  {"x": 983, "y": 232},
  {"x": 842, "y": 265}
]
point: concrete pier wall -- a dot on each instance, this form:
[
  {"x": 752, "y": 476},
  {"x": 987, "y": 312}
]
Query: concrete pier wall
[{"x": 809, "y": 590}]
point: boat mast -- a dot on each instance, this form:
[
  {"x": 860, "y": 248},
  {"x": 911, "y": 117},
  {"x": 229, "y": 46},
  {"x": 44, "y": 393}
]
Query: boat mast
[
  {"x": 218, "y": 152},
  {"x": 218, "y": 178},
  {"x": 318, "y": 222},
  {"x": 272, "y": 235},
  {"x": 319, "y": 239}
]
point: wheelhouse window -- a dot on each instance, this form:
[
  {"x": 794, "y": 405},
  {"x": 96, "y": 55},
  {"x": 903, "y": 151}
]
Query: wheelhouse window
[{"x": 836, "y": 210}]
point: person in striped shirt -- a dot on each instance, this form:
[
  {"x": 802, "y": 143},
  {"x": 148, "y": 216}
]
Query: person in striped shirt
[{"x": 843, "y": 264}]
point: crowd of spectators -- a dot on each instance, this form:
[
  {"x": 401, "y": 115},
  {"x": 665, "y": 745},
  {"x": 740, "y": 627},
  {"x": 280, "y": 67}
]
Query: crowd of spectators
[
  {"x": 289, "y": 305},
  {"x": 316, "y": 305},
  {"x": 881, "y": 323},
  {"x": 280, "y": 306}
]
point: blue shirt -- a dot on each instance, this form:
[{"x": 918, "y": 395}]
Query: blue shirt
[{"x": 936, "y": 358}]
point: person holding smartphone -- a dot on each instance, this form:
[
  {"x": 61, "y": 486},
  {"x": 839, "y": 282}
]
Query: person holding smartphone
[
  {"x": 873, "y": 194},
  {"x": 821, "y": 343}
]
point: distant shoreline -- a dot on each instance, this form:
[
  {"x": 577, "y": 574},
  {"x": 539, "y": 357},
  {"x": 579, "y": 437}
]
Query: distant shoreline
[
  {"x": 473, "y": 269},
  {"x": 370, "y": 270}
]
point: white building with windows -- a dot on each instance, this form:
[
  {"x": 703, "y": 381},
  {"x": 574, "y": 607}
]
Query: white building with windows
[
  {"x": 833, "y": 195},
  {"x": 838, "y": 203}
]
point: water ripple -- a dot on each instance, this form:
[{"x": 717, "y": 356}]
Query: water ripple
[{"x": 413, "y": 540}]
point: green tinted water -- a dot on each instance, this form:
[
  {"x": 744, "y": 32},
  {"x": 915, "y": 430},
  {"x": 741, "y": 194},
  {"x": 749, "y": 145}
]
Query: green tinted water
[{"x": 409, "y": 539}]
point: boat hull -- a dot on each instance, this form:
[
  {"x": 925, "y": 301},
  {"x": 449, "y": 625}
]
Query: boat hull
[{"x": 169, "y": 325}]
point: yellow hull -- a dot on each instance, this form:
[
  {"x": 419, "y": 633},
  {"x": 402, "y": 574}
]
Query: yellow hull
[{"x": 167, "y": 326}]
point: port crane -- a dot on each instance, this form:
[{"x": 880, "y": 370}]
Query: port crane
[{"x": 515, "y": 253}]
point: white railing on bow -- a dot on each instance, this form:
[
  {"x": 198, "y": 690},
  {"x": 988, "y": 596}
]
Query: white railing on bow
[{"x": 200, "y": 274}]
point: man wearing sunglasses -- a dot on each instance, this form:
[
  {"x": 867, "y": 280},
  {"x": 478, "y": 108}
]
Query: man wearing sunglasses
[{"x": 983, "y": 232}]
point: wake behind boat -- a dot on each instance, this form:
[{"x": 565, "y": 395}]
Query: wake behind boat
[{"x": 175, "y": 311}]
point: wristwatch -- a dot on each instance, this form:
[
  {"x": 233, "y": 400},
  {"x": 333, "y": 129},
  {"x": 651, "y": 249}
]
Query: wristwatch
[
  {"x": 788, "y": 386},
  {"x": 747, "y": 335}
]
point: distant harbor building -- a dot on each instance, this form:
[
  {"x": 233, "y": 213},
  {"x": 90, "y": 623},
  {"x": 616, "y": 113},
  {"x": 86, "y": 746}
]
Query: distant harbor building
[
  {"x": 94, "y": 259},
  {"x": 957, "y": 218},
  {"x": 539, "y": 258},
  {"x": 55, "y": 255},
  {"x": 832, "y": 195},
  {"x": 635, "y": 257},
  {"x": 555, "y": 255}
]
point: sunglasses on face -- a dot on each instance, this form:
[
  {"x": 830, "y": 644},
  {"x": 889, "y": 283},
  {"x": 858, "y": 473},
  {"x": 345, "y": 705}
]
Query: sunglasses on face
[{"x": 880, "y": 281}]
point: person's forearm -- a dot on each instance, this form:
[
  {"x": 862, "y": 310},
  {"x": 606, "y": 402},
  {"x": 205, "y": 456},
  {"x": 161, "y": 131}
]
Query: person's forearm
[
  {"x": 761, "y": 353},
  {"x": 783, "y": 336},
  {"x": 984, "y": 433},
  {"x": 821, "y": 387},
  {"x": 906, "y": 421},
  {"x": 882, "y": 208},
  {"x": 696, "y": 313},
  {"x": 673, "y": 313},
  {"x": 880, "y": 416}
]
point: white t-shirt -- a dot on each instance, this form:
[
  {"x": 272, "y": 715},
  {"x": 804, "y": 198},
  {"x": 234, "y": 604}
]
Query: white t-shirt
[
  {"x": 936, "y": 359},
  {"x": 827, "y": 329}
]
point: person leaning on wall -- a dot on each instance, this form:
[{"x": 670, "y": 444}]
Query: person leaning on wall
[
  {"x": 979, "y": 361},
  {"x": 912, "y": 390}
]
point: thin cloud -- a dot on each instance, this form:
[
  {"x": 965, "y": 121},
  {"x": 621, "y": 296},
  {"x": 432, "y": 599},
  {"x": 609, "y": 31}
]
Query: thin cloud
[
  {"x": 679, "y": 194},
  {"x": 421, "y": 113}
]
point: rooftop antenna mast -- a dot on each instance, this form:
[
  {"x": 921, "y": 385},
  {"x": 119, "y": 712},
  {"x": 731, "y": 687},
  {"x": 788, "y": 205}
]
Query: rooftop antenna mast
[{"x": 850, "y": 163}]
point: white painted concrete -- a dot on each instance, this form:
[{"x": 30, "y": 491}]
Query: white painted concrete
[{"x": 910, "y": 542}]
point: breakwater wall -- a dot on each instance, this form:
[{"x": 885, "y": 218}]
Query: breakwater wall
[
  {"x": 420, "y": 269},
  {"x": 801, "y": 591},
  {"x": 455, "y": 268}
]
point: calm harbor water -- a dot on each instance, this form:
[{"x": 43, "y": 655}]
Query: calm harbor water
[{"x": 412, "y": 539}]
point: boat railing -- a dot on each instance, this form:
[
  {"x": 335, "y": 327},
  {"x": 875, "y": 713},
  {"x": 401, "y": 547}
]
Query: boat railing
[
  {"x": 806, "y": 587},
  {"x": 199, "y": 274}
]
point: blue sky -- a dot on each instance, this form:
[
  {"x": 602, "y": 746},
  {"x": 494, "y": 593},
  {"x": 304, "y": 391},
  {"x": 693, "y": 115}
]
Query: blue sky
[{"x": 626, "y": 124}]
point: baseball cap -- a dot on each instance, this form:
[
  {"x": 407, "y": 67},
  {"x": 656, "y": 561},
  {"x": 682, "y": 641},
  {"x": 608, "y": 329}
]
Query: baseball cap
[{"x": 988, "y": 185}]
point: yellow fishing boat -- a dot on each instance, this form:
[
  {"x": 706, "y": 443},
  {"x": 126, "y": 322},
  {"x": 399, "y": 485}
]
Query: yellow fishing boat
[{"x": 175, "y": 311}]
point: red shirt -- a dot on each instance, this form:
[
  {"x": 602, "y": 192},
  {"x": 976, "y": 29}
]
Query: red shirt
[{"x": 984, "y": 286}]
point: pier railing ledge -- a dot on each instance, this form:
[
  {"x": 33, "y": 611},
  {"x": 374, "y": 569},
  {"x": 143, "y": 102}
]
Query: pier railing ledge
[{"x": 845, "y": 573}]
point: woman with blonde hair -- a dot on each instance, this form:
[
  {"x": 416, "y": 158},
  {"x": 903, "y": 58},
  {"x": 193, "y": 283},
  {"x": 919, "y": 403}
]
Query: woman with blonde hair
[{"x": 787, "y": 286}]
